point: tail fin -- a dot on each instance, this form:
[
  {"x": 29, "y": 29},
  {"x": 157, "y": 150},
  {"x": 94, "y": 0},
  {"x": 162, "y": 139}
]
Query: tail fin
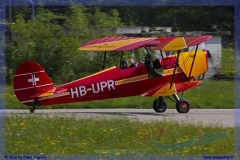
[{"x": 30, "y": 79}]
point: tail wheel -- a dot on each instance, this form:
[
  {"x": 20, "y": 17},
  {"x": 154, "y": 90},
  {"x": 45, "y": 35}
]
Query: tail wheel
[
  {"x": 35, "y": 102},
  {"x": 159, "y": 105},
  {"x": 31, "y": 110},
  {"x": 182, "y": 106}
]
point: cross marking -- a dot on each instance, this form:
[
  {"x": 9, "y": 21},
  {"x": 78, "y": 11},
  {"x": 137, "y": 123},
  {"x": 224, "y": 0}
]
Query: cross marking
[{"x": 33, "y": 80}]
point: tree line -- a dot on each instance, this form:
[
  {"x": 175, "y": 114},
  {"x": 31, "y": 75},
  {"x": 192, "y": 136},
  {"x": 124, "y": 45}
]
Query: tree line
[{"x": 52, "y": 37}]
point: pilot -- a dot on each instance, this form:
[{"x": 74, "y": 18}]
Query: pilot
[
  {"x": 124, "y": 64},
  {"x": 157, "y": 64},
  {"x": 148, "y": 64}
]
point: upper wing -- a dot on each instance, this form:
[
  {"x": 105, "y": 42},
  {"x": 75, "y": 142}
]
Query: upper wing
[
  {"x": 119, "y": 43},
  {"x": 166, "y": 90},
  {"x": 178, "y": 43}
]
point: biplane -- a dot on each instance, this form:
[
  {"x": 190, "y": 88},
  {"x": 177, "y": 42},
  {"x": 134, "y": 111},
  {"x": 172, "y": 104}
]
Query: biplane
[{"x": 181, "y": 70}]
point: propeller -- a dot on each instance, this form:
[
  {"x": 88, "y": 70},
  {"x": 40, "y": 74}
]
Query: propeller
[{"x": 211, "y": 64}]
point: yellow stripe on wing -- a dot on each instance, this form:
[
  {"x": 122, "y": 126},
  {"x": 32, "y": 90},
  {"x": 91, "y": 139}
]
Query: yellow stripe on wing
[
  {"x": 166, "y": 91},
  {"x": 109, "y": 46},
  {"x": 176, "y": 44}
]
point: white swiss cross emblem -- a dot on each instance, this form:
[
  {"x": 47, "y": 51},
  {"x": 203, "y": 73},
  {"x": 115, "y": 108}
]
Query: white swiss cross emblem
[{"x": 33, "y": 80}]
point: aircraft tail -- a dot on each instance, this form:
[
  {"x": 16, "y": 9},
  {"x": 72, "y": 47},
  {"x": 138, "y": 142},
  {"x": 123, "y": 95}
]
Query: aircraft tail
[{"x": 29, "y": 80}]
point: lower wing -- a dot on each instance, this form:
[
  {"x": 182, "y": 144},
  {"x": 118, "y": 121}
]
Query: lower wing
[{"x": 168, "y": 89}]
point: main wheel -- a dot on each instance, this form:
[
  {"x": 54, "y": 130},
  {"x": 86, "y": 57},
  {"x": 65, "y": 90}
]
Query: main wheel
[
  {"x": 159, "y": 105},
  {"x": 182, "y": 106}
]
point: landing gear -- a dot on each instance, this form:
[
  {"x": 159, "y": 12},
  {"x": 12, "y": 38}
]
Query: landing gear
[
  {"x": 182, "y": 106},
  {"x": 35, "y": 102},
  {"x": 32, "y": 110},
  {"x": 159, "y": 105}
]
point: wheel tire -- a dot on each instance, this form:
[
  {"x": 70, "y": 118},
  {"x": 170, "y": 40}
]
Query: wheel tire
[
  {"x": 31, "y": 110},
  {"x": 182, "y": 106},
  {"x": 158, "y": 106}
]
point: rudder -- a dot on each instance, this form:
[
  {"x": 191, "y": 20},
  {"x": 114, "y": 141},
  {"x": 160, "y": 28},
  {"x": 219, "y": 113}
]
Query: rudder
[{"x": 30, "y": 79}]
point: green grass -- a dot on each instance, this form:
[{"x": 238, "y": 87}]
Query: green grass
[
  {"x": 227, "y": 61},
  {"x": 36, "y": 134},
  {"x": 212, "y": 94},
  {"x": 209, "y": 94}
]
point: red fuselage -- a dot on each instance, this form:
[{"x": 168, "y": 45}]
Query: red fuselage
[{"x": 111, "y": 83}]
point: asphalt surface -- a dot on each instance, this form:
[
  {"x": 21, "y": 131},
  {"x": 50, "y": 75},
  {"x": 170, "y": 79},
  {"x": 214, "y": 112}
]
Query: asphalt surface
[{"x": 222, "y": 117}]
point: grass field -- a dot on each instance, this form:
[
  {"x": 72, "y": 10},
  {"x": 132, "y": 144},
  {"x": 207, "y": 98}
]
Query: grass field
[
  {"x": 227, "y": 61},
  {"x": 34, "y": 134}
]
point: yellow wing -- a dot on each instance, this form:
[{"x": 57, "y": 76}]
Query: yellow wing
[{"x": 118, "y": 43}]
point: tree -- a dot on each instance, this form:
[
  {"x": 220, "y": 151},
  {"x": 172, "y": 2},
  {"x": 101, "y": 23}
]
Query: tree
[
  {"x": 55, "y": 46},
  {"x": 42, "y": 41},
  {"x": 86, "y": 24}
]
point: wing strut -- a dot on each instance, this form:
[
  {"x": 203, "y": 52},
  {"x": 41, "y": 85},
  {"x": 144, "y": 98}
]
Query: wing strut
[
  {"x": 192, "y": 63},
  {"x": 35, "y": 99},
  {"x": 175, "y": 67},
  {"x": 121, "y": 58},
  {"x": 147, "y": 50},
  {"x": 104, "y": 59}
]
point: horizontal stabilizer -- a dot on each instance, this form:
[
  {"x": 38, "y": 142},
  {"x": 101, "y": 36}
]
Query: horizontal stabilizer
[{"x": 49, "y": 93}]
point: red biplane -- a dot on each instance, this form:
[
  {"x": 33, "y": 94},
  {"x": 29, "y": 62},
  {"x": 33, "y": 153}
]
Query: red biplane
[{"x": 180, "y": 71}]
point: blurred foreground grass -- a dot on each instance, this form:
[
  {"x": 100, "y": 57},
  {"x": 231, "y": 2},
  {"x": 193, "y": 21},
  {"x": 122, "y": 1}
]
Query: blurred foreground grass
[{"x": 36, "y": 134}]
